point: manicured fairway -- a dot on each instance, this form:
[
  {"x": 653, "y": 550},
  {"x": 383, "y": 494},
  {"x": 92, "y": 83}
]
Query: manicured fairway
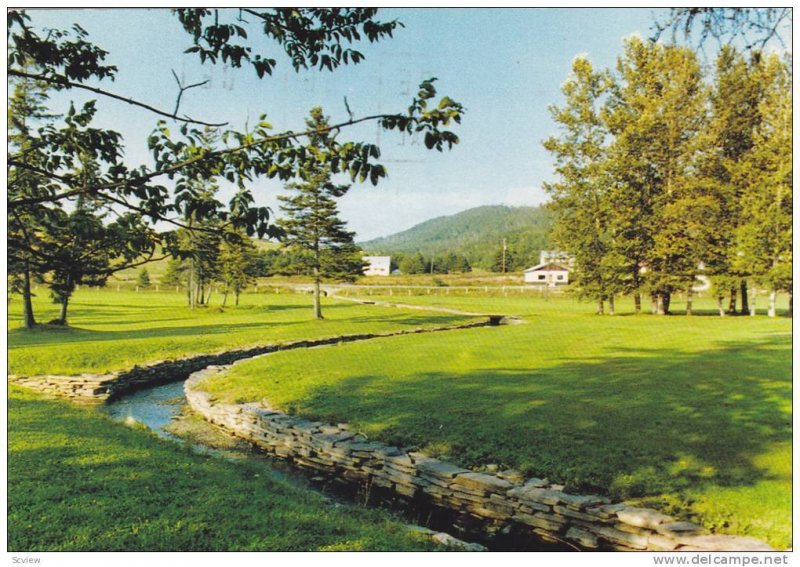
[
  {"x": 689, "y": 414},
  {"x": 79, "y": 482},
  {"x": 112, "y": 330}
]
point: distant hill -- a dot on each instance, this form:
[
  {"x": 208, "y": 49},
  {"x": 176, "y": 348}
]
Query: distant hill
[{"x": 475, "y": 233}]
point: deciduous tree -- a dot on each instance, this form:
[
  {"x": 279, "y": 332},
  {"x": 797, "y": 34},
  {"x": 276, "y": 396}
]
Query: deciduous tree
[
  {"x": 580, "y": 198},
  {"x": 764, "y": 236}
]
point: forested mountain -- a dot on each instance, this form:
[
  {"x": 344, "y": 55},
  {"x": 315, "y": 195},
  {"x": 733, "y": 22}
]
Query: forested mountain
[{"x": 475, "y": 233}]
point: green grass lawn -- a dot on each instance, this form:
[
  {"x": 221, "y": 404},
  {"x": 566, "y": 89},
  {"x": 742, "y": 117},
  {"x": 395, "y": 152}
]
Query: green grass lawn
[
  {"x": 691, "y": 414},
  {"x": 79, "y": 482},
  {"x": 111, "y": 330}
]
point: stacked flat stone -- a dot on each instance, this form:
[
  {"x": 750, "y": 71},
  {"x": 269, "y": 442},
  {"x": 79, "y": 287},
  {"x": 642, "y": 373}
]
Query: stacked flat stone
[{"x": 490, "y": 500}]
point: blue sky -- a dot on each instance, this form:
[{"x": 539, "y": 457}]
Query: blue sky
[{"x": 505, "y": 65}]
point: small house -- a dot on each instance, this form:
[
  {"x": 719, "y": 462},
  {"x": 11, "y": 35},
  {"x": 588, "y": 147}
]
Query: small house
[
  {"x": 549, "y": 274},
  {"x": 377, "y": 265}
]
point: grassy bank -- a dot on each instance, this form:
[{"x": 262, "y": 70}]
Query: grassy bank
[
  {"x": 79, "y": 482},
  {"x": 111, "y": 330},
  {"x": 692, "y": 414}
]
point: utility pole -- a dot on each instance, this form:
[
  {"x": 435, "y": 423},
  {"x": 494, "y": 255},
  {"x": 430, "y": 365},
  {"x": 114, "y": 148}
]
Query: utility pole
[{"x": 505, "y": 248}]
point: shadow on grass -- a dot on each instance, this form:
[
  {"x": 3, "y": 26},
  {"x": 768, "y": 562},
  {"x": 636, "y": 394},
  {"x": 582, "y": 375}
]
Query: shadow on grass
[
  {"x": 77, "y": 482},
  {"x": 24, "y": 338},
  {"x": 636, "y": 423},
  {"x": 48, "y": 335}
]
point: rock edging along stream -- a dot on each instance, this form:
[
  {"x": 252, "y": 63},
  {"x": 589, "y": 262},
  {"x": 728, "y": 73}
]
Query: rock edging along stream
[
  {"x": 489, "y": 503},
  {"x": 99, "y": 388}
]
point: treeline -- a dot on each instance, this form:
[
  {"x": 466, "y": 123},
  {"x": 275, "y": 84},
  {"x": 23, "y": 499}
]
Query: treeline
[
  {"x": 418, "y": 264},
  {"x": 667, "y": 171},
  {"x": 514, "y": 258},
  {"x": 213, "y": 263},
  {"x": 206, "y": 259}
]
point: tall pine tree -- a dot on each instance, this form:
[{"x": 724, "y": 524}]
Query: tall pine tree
[
  {"x": 312, "y": 227},
  {"x": 26, "y": 111}
]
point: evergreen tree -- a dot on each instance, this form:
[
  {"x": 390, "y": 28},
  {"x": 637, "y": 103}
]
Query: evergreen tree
[
  {"x": 176, "y": 273},
  {"x": 26, "y": 110},
  {"x": 312, "y": 226},
  {"x": 412, "y": 264},
  {"x": 505, "y": 260},
  {"x": 266, "y": 263},
  {"x": 143, "y": 279},
  {"x": 238, "y": 263},
  {"x": 199, "y": 247}
]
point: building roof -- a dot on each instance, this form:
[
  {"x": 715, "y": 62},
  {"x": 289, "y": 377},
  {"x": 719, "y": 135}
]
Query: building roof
[{"x": 549, "y": 267}]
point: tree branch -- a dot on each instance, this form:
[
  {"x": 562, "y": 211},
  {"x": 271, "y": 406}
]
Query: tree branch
[
  {"x": 182, "y": 90},
  {"x": 125, "y": 266},
  {"x": 64, "y": 82},
  {"x": 178, "y": 166}
]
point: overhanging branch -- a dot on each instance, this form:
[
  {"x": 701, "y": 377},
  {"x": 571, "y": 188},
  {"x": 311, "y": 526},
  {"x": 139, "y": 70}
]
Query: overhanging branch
[
  {"x": 178, "y": 166},
  {"x": 64, "y": 82}
]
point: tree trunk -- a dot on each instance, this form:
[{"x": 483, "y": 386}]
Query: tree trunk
[
  {"x": 27, "y": 303},
  {"x": 667, "y": 301},
  {"x": 62, "y": 316},
  {"x": 720, "y": 300},
  {"x": 224, "y": 298},
  {"x": 689, "y": 293},
  {"x": 208, "y": 297},
  {"x": 752, "y": 304},
  {"x": 743, "y": 292},
  {"x": 732, "y": 302},
  {"x": 317, "y": 305},
  {"x": 660, "y": 310},
  {"x": 654, "y": 304},
  {"x": 190, "y": 287},
  {"x": 611, "y": 309},
  {"x": 637, "y": 303},
  {"x": 236, "y": 297},
  {"x": 600, "y": 308},
  {"x": 789, "y": 310},
  {"x": 771, "y": 309}
]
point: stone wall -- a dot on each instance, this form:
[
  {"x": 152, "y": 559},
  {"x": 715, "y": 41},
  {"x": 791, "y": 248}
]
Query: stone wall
[
  {"x": 494, "y": 502},
  {"x": 98, "y": 388}
]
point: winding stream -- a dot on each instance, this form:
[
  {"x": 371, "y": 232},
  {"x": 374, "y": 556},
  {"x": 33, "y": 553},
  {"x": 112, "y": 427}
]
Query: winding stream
[{"x": 164, "y": 410}]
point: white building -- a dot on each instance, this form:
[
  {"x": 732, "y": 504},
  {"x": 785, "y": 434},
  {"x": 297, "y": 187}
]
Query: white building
[
  {"x": 549, "y": 274},
  {"x": 378, "y": 265}
]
